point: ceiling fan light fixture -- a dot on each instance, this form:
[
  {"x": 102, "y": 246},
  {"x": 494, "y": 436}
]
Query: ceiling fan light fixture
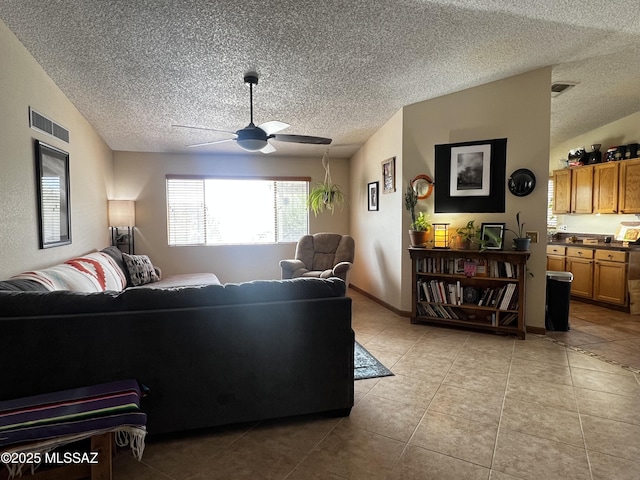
[{"x": 251, "y": 144}]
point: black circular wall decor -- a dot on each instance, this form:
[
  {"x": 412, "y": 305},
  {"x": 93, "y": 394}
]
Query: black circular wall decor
[{"x": 522, "y": 182}]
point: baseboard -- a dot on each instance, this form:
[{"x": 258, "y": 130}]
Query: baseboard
[
  {"x": 391, "y": 308},
  {"x": 536, "y": 330}
]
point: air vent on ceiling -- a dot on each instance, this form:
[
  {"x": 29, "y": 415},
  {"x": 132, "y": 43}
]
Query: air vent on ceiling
[
  {"x": 40, "y": 122},
  {"x": 560, "y": 87}
]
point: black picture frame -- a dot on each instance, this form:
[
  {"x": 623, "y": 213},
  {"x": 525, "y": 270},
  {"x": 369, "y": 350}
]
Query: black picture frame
[
  {"x": 373, "y": 196},
  {"x": 493, "y": 235},
  {"x": 484, "y": 190},
  {"x": 54, "y": 204}
]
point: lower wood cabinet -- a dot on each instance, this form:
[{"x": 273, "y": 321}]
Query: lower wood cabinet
[
  {"x": 610, "y": 277},
  {"x": 598, "y": 274},
  {"x": 556, "y": 258},
  {"x": 582, "y": 269}
]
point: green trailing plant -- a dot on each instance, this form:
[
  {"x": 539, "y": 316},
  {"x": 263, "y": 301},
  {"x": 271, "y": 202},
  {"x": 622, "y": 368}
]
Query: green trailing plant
[
  {"x": 469, "y": 233},
  {"x": 325, "y": 195}
]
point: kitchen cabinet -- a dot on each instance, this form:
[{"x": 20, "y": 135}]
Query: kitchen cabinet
[
  {"x": 610, "y": 277},
  {"x": 579, "y": 261},
  {"x": 556, "y": 258},
  {"x": 605, "y": 187},
  {"x": 582, "y": 190},
  {"x": 629, "y": 193},
  {"x": 562, "y": 191},
  {"x": 599, "y": 274}
]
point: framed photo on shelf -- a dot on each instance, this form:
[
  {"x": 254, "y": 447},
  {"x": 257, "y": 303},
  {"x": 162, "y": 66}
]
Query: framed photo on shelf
[
  {"x": 493, "y": 235},
  {"x": 54, "y": 209},
  {"x": 373, "y": 195},
  {"x": 389, "y": 175}
]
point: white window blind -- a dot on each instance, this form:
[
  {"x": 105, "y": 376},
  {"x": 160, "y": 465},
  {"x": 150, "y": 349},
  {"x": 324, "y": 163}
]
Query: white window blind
[
  {"x": 552, "y": 219},
  {"x": 217, "y": 211}
]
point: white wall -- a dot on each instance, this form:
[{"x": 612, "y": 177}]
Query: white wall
[
  {"x": 141, "y": 177},
  {"x": 23, "y": 83},
  {"x": 621, "y": 132},
  {"x": 517, "y": 108}
]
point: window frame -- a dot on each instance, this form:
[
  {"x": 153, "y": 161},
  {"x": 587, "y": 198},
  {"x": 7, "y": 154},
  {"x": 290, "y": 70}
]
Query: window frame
[{"x": 264, "y": 178}]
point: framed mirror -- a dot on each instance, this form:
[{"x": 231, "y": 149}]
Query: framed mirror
[
  {"x": 522, "y": 182},
  {"x": 52, "y": 184}
]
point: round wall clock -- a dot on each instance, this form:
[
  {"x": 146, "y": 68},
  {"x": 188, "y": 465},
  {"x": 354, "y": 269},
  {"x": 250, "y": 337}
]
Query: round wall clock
[
  {"x": 423, "y": 186},
  {"x": 522, "y": 182}
]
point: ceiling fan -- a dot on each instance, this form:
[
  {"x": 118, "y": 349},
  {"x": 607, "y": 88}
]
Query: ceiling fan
[{"x": 256, "y": 139}]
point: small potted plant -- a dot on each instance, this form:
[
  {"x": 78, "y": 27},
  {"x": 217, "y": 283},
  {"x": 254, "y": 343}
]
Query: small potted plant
[
  {"x": 420, "y": 225},
  {"x": 469, "y": 236},
  {"x": 521, "y": 242}
]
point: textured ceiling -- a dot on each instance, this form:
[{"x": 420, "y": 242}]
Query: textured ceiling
[{"x": 329, "y": 68}]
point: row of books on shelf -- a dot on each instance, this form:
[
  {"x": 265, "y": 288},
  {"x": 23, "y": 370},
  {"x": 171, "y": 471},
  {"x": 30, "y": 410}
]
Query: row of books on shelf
[
  {"x": 504, "y": 297},
  {"x": 470, "y": 267},
  {"x": 453, "y": 313}
]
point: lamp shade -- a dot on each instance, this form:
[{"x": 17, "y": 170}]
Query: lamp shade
[
  {"x": 122, "y": 213},
  {"x": 440, "y": 235}
]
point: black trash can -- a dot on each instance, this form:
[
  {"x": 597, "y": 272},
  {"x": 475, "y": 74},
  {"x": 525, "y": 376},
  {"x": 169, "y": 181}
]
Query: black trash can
[{"x": 558, "y": 298}]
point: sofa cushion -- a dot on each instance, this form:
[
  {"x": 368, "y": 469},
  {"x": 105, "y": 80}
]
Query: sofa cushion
[
  {"x": 60, "y": 302},
  {"x": 25, "y": 304},
  {"x": 183, "y": 280},
  {"x": 257, "y": 291},
  {"x": 140, "y": 269},
  {"x": 22, "y": 286}
]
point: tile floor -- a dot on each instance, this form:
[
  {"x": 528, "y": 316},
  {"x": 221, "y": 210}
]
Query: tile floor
[
  {"x": 461, "y": 405},
  {"x": 610, "y": 333}
]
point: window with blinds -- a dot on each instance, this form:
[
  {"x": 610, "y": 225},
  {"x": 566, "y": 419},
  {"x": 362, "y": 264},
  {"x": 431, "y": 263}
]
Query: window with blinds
[
  {"x": 219, "y": 211},
  {"x": 552, "y": 219}
]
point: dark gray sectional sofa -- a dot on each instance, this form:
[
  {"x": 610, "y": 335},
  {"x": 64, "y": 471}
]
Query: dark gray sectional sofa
[{"x": 210, "y": 354}]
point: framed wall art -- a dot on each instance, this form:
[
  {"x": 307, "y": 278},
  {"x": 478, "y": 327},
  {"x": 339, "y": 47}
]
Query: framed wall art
[
  {"x": 470, "y": 176},
  {"x": 372, "y": 195},
  {"x": 54, "y": 206},
  {"x": 389, "y": 175},
  {"x": 493, "y": 235}
]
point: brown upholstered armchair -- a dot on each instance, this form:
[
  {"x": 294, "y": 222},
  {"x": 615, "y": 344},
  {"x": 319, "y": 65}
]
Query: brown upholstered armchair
[{"x": 321, "y": 255}]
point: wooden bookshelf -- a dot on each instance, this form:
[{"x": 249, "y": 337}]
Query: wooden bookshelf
[{"x": 469, "y": 288}]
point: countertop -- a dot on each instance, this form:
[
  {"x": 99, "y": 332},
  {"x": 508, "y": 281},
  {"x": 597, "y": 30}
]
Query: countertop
[{"x": 599, "y": 245}]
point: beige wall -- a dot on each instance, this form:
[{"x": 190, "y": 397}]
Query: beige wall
[
  {"x": 378, "y": 234},
  {"x": 141, "y": 177},
  {"x": 23, "y": 83},
  {"x": 517, "y": 108},
  {"x": 623, "y": 131}
]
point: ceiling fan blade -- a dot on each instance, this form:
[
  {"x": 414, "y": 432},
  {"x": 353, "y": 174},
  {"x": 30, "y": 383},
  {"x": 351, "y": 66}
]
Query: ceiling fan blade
[
  {"x": 207, "y": 129},
  {"x": 302, "y": 139},
  {"x": 210, "y": 143},
  {"x": 268, "y": 148},
  {"x": 273, "y": 127}
]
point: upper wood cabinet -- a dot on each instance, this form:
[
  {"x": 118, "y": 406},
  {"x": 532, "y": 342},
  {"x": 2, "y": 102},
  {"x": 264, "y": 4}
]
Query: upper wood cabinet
[
  {"x": 562, "y": 191},
  {"x": 582, "y": 190},
  {"x": 629, "y": 194},
  {"x": 605, "y": 187}
]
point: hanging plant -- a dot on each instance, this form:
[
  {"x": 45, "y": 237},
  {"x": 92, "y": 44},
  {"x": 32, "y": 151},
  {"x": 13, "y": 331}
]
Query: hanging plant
[{"x": 325, "y": 195}]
